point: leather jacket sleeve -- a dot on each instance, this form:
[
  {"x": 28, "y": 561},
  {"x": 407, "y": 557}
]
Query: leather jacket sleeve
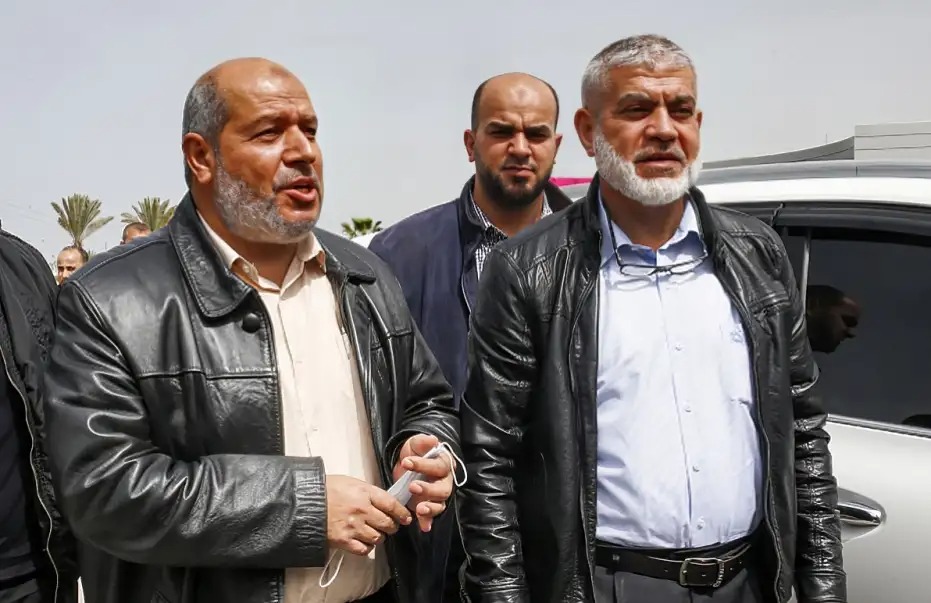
[
  {"x": 429, "y": 405},
  {"x": 130, "y": 499},
  {"x": 819, "y": 569},
  {"x": 502, "y": 372}
]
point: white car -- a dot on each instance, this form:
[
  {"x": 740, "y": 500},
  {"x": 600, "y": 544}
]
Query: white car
[{"x": 859, "y": 237}]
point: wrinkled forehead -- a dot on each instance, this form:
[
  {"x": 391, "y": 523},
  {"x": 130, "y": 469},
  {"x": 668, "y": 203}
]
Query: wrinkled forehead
[
  {"x": 268, "y": 94},
  {"x": 663, "y": 83},
  {"x": 517, "y": 106}
]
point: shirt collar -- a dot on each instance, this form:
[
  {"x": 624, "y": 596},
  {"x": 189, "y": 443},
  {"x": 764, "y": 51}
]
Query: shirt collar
[
  {"x": 308, "y": 250},
  {"x": 688, "y": 229},
  {"x": 489, "y": 228}
]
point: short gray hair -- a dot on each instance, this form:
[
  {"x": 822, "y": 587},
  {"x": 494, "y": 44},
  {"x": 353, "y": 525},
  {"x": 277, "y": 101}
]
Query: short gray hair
[
  {"x": 649, "y": 50},
  {"x": 205, "y": 113}
]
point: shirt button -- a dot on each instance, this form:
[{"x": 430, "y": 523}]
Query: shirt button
[
  {"x": 695, "y": 468},
  {"x": 687, "y": 408},
  {"x": 737, "y": 336},
  {"x": 678, "y": 347},
  {"x": 700, "y": 524}
]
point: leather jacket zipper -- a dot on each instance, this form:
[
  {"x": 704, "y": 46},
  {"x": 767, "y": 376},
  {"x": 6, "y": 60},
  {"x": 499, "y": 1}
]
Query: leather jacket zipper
[
  {"x": 365, "y": 374},
  {"x": 35, "y": 472},
  {"x": 589, "y": 543},
  {"x": 465, "y": 296},
  {"x": 744, "y": 313}
]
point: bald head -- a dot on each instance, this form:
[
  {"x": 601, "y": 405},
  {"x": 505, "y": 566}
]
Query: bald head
[
  {"x": 517, "y": 87},
  {"x": 206, "y": 109},
  {"x": 252, "y": 159},
  {"x": 513, "y": 141}
]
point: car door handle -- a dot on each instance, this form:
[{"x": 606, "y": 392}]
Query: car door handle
[{"x": 859, "y": 514}]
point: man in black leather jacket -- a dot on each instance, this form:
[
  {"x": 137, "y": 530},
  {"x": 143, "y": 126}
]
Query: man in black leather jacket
[
  {"x": 639, "y": 423},
  {"x": 37, "y": 563},
  {"x": 229, "y": 396}
]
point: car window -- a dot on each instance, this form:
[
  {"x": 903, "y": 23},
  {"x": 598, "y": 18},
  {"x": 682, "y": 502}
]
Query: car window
[
  {"x": 869, "y": 323},
  {"x": 794, "y": 241}
]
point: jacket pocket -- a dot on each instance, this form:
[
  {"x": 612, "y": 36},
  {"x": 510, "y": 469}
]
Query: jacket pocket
[{"x": 771, "y": 302}]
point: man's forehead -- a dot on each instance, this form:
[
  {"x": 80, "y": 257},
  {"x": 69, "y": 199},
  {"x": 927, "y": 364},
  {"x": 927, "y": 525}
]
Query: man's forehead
[
  {"x": 672, "y": 80},
  {"x": 530, "y": 118},
  {"x": 526, "y": 102},
  {"x": 267, "y": 93}
]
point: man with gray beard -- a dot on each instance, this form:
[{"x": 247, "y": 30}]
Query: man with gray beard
[
  {"x": 229, "y": 399},
  {"x": 639, "y": 423}
]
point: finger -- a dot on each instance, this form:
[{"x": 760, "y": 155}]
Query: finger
[
  {"x": 380, "y": 521},
  {"x": 429, "y": 510},
  {"x": 356, "y": 547},
  {"x": 368, "y": 535},
  {"x": 438, "y": 491},
  {"x": 421, "y": 444},
  {"x": 389, "y": 505},
  {"x": 426, "y": 512},
  {"x": 437, "y": 468}
]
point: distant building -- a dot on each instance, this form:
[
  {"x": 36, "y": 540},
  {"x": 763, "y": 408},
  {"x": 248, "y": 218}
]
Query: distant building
[{"x": 902, "y": 141}]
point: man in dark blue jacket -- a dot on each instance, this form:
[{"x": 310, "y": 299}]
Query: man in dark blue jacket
[{"x": 438, "y": 254}]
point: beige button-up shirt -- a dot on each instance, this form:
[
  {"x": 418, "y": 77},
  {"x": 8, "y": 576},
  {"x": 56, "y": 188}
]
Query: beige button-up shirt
[{"x": 323, "y": 409}]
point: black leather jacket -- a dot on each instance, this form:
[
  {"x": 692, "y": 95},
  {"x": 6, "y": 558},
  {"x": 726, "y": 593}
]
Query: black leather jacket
[
  {"x": 529, "y": 423},
  {"x": 165, "y": 415},
  {"x": 27, "y": 292}
]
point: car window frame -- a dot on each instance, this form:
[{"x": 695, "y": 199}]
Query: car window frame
[{"x": 853, "y": 215}]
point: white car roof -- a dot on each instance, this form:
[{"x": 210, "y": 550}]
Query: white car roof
[
  {"x": 868, "y": 181},
  {"x": 905, "y": 191}
]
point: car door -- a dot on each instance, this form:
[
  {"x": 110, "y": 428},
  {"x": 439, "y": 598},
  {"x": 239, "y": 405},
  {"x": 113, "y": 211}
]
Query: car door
[{"x": 866, "y": 270}]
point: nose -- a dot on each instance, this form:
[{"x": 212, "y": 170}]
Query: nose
[
  {"x": 661, "y": 126},
  {"x": 520, "y": 146},
  {"x": 299, "y": 148}
]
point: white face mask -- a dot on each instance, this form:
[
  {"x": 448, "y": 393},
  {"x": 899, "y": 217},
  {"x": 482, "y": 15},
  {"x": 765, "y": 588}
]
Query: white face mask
[{"x": 622, "y": 175}]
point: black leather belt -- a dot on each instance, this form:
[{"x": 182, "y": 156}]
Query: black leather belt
[{"x": 703, "y": 569}]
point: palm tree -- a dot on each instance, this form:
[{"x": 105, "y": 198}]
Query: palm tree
[
  {"x": 361, "y": 226},
  {"x": 151, "y": 211},
  {"x": 79, "y": 216}
]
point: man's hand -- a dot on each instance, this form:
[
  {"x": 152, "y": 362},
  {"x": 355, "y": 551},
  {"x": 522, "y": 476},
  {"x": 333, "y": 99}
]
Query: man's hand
[
  {"x": 428, "y": 497},
  {"x": 359, "y": 515}
]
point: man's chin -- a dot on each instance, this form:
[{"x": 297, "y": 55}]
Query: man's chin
[{"x": 665, "y": 170}]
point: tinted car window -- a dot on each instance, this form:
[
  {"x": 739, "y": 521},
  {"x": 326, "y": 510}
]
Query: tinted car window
[{"x": 869, "y": 322}]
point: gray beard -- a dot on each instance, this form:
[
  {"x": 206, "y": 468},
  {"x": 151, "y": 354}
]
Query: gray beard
[
  {"x": 622, "y": 176},
  {"x": 253, "y": 217}
]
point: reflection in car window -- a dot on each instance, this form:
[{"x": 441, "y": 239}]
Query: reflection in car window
[{"x": 869, "y": 324}]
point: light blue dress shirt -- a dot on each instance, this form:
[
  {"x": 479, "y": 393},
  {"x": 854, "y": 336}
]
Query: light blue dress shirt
[{"x": 679, "y": 462}]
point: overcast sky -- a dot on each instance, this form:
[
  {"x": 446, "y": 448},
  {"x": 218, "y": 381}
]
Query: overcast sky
[{"x": 92, "y": 91}]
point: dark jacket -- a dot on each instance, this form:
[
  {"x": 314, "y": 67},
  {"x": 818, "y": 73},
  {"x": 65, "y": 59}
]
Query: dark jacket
[
  {"x": 165, "y": 411},
  {"x": 27, "y": 292},
  {"x": 529, "y": 414},
  {"x": 433, "y": 255}
]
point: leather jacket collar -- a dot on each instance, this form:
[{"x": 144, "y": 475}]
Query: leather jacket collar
[
  {"x": 705, "y": 219},
  {"x": 218, "y": 291}
]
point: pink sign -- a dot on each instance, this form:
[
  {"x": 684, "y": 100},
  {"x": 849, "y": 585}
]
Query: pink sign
[{"x": 568, "y": 181}]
